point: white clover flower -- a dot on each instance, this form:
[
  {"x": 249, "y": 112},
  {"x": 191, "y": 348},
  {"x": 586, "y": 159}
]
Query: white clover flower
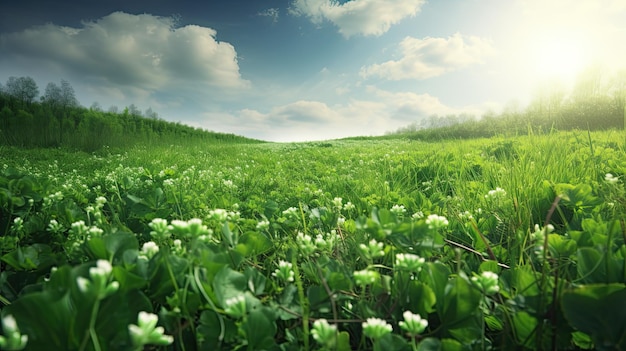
[
  {"x": 376, "y": 328},
  {"x": 146, "y": 332},
  {"x": 611, "y": 179},
  {"x": 348, "y": 206},
  {"x": 101, "y": 200},
  {"x": 79, "y": 228},
  {"x": 398, "y": 210},
  {"x": 18, "y": 224},
  {"x": 324, "y": 333},
  {"x": 418, "y": 215},
  {"x": 291, "y": 212},
  {"x": 436, "y": 222},
  {"x": 413, "y": 324},
  {"x": 149, "y": 249},
  {"x": 365, "y": 277},
  {"x": 95, "y": 231},
  {"x": 496, "y": 194},
  {"x": 263, "y": 225},
  {"x": 236, "y": 306},
  {"x": 12, "y": 339},
  {"x": 284, "y": 271},
  {"x": 466, "y": 215},
  {"x": 372, "y": 250},
  {"x": 488, "y": 282},
  {"x": 196, "y": 228},
  {"x": 160, "y": 230},
  {"x": 338, "y": 203},
  {"x": 99, "y": 284},
  {"x": 320, "y": 242},
  {"x": 305, "y": 243},
  {"x": 341, "y": 221},
  {"x": 409, "y": 262},
  {"x": 219, "y": 215}
]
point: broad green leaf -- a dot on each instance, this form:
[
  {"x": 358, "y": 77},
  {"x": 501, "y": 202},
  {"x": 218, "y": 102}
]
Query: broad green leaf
[
  {"x": 255, "y": 243},
  {"x": 256, "y": 280},
  {"x": 599, "y": 311},
  {"x": 343, "y": 341},
  {"x": 228, "y": 284}
]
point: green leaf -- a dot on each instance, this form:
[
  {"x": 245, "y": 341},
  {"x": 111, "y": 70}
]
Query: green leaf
[
  {"x": 210, "y": 329},
  {"x": 260, "y": 325},
  {"x": 524, "y": 325},
  {"x": 421, "y": 298},
  {"x": 460, "y": 302},
  {"x": 436, "y": 276},
  {"x": 391, "y": 342},
  {"x": 34, "y": 257},
  {"x": 119, "y": 242},
  {"x": 227, "y": 284},
  {"x": 256, "y": 281},
  {"x": 591, "y": 267},
  {"x": 128, "y": 281},
  {"x": 255, "y": 243},
  {"x": 599, "y": 311}
]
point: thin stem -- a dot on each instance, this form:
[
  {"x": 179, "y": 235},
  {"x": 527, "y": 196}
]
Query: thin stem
[
  {"x": 196, "y": 278},
  {"x": 304, "y": 303},
  {"x": 92, "y": 328}
]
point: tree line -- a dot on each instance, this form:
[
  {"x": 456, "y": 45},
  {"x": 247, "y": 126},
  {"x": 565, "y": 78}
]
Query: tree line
[
  {"x": 57, "y": 119},
  {"x": 596, "y": 101}
]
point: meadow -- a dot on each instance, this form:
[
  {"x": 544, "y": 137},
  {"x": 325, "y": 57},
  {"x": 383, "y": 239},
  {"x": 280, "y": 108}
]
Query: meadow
[{"x": 369, "y": 244}]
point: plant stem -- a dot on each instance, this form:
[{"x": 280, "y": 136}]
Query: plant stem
[
  {"x": 304, "y": 302},
  {"x": 92, "y": 328}
]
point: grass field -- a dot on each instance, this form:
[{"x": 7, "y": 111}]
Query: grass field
[{"x": 500, "y": 243}]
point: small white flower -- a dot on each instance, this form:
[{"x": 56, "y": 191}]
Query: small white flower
[
  {"x": 149, "y": 249},
  {"x": 488, "y": 282},
  {"x": 409, "y": 262},
  {"x": 611, "y": 179},
  {"x": 413, "y": 324},
  {"x": 324, "y": 333},
  {"x": 365, "y": 277},
  {"x": 436, "y": 222},
  {"x": 236, "y": 306},
  {"x": 399, "y": 210},
  {"x": 284, "y": 271},
  {"x": 376, "y": 328}
]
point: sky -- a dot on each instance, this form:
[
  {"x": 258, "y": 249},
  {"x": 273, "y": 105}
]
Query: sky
[{"x": 298, "y": 70}]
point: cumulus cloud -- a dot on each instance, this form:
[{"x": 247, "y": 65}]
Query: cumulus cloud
[
  {"x": 145, "y": 51},
  {"x": 431, "y": 57},
  {"x": 382, "y": 111},
  {"x": 364, "y": 17}
]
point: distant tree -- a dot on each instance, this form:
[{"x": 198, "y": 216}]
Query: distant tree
[
  {"x": 62, "y": 96},
  {"x": 96, "y": 107},
  {"x": 151, "y": 114},
  {"x": 68, "y": 96},
  {"x": 52, "y": 95},
  {"x": 133, "y": 110},
  {"x": 22, "y": 88},
  {"x": 113, "y": 109}
]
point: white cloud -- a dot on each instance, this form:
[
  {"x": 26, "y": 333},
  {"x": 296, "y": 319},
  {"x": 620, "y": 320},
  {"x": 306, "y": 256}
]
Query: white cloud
[
  {"x": 364, "y": 17},
  {"x": 380, "y": 112},
  {"x": 145, "y": 51},
  {"x": 431, "y": 57},
  {"x": 272, "y": 13}
]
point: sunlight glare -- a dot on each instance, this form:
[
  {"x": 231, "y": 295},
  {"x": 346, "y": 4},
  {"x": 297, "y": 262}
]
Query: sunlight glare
[{"x": 559, "y": 57}]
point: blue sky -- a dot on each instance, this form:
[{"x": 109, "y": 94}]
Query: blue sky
[{"x": 292, "y": 70}]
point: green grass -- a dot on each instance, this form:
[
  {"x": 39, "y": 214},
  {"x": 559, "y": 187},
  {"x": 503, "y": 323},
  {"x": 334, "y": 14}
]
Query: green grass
[{"x": 274, "y": 197}]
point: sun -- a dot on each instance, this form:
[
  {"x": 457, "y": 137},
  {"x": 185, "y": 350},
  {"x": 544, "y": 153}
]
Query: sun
[{"x": 559, "y": 56}]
